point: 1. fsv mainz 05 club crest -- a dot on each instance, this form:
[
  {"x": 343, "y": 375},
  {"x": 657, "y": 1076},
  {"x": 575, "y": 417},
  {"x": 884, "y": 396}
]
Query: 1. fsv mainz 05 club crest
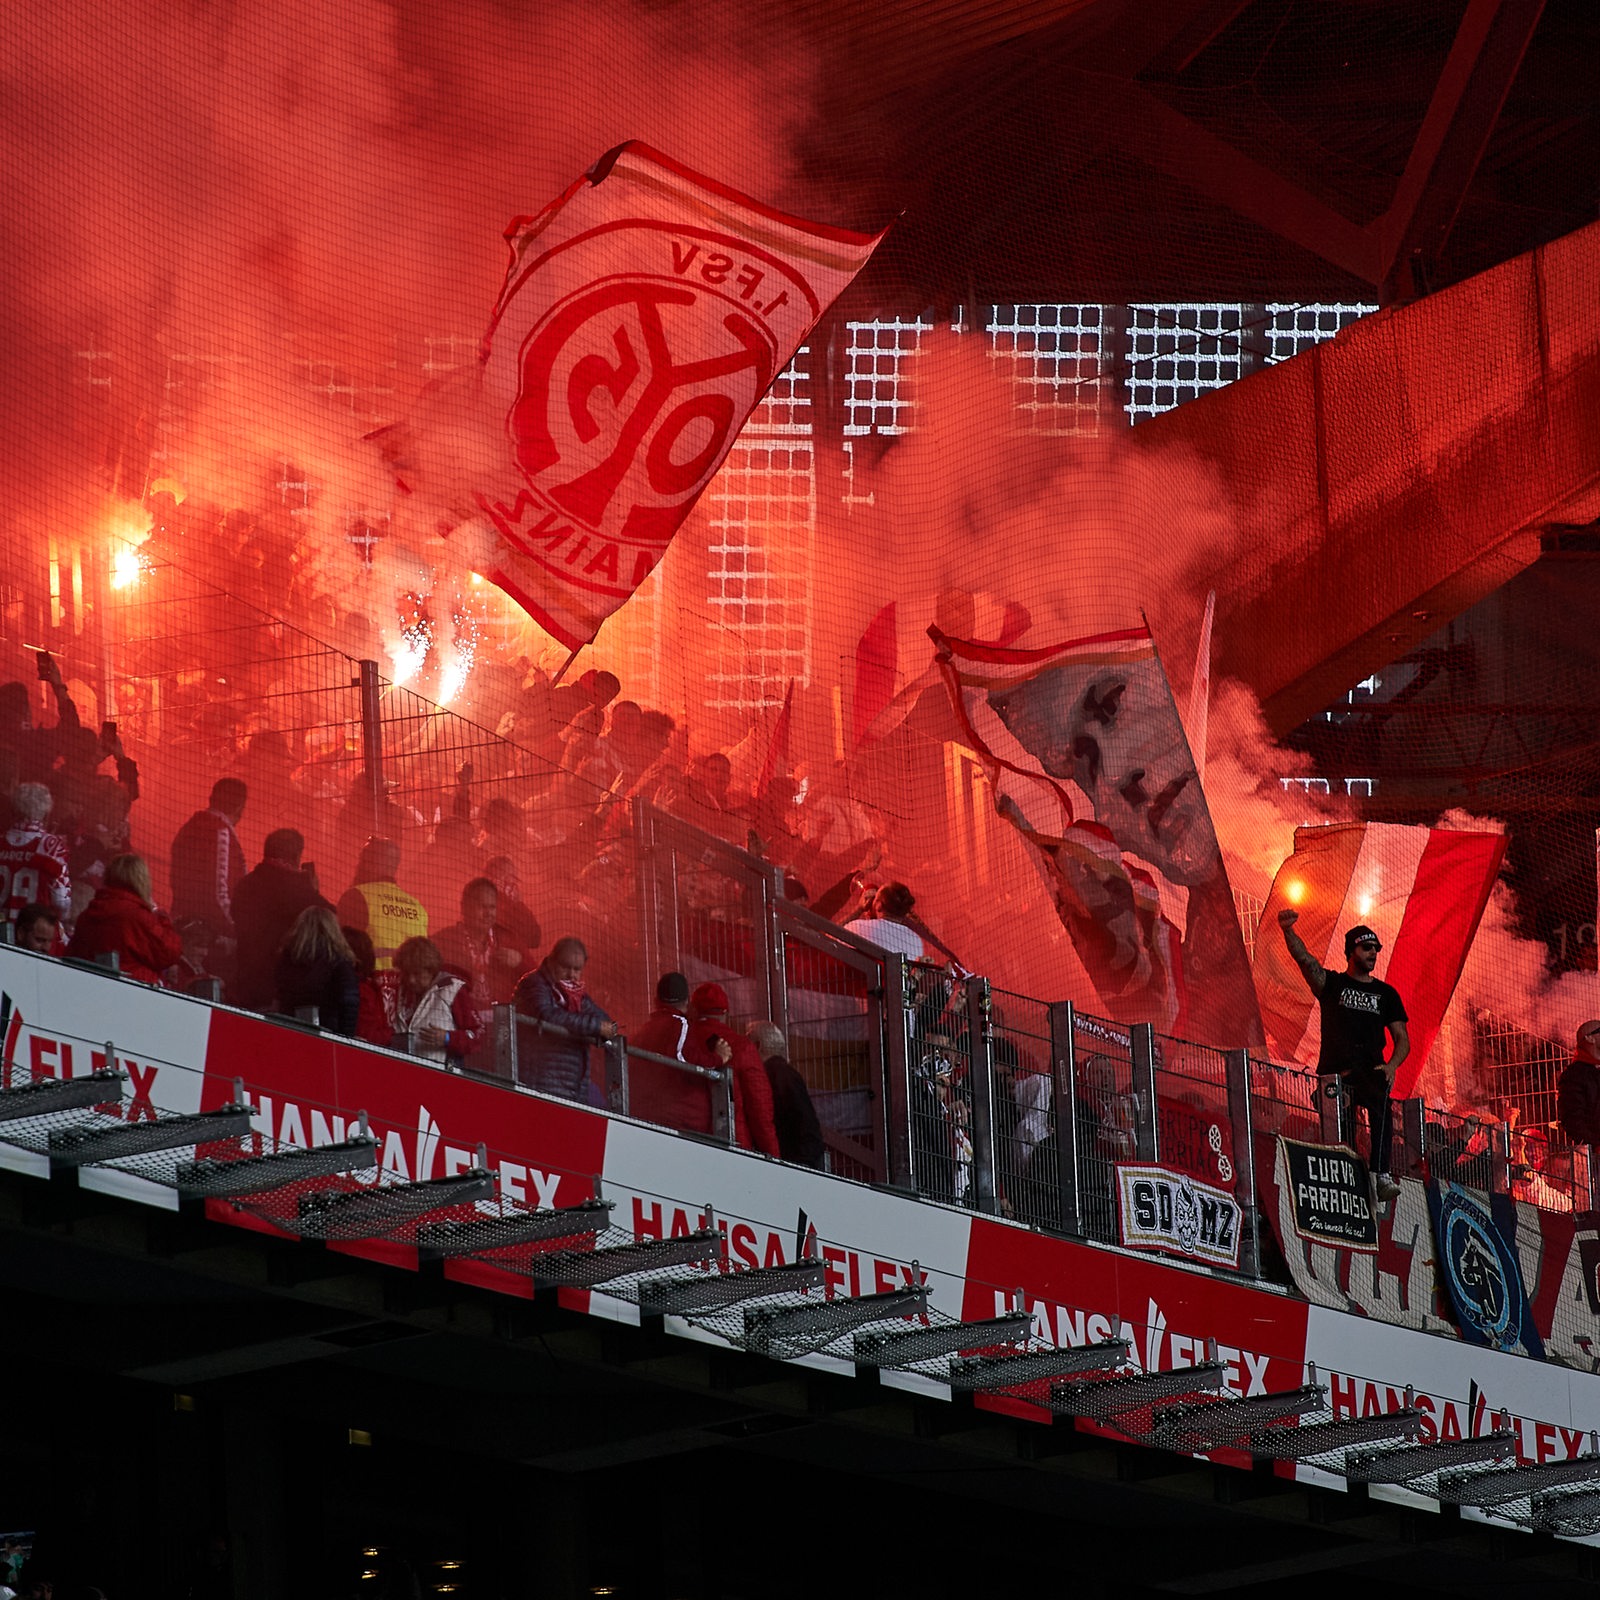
[
  {"x": 630, "y": 392},
  {"x": 645, "y": 315}
]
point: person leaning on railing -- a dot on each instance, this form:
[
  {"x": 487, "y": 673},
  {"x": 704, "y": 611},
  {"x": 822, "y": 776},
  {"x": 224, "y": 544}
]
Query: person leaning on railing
[
  {"x": 658, "y": 1093},
  {"x": 555, "y": 993}
]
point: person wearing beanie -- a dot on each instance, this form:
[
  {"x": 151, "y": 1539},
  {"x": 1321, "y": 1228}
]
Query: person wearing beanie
[
  {"x": 1357, "y": 1009},
  {"x": 709, "y": 1029},
  {"x": 1578, "y": 1088},
  {"x": 663, "y": 1094}
]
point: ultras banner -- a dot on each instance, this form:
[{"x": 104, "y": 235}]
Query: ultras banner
[
  {"x": 1088, "y": 761},
  {"x": 1329, "y": 1193},
  {"x": 644, "y": 315}
]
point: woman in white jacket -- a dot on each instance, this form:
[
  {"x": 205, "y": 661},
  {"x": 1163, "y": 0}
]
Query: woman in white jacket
[{"x": 430, "y": 1010}]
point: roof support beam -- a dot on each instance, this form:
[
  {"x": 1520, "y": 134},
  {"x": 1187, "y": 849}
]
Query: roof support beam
[
  {"x": 1466, "y": 104},
  {"x": 1165, "y": 139}
]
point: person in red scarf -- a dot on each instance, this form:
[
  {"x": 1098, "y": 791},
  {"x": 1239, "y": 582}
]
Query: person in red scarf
[
  {"x": 554, "y": 993},
  {"x": 752, "y": 1089}
]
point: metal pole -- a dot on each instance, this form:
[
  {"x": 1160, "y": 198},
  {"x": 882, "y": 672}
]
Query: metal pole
[
  {"x": 617, "y": 1072},
  {"x": 505, "y": 1043},
  {"x": 722, "y": 1107},
  {"x": 649, "y": 934},
  {"x": 1236, "y": 1064},
  {"x": 1330, "y": 1109},
  {"x": 1064, "y": 1098},
  {"x": 894, "y": 1016},
  {"x": 772, "y": 901},
  {"x": 370, "y": 686},
  {"x": 1500, "y": 1160},
  {"x": 980, "y": 1078},
  {"x": 1411, "y": 1121},
  {"x": 1143, "y": 1036}
]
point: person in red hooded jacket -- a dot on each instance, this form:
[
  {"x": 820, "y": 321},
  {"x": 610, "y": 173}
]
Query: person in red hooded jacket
[
  {"x": 658, "y": 1093},
  {"x": 752, "y": 1089},
  {"x": 123, "y": 917}
]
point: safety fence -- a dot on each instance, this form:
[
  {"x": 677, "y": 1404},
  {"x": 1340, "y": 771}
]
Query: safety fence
[
  {"x": 1008, "y": 1104},
  {"x": 993, "y": 1101}
]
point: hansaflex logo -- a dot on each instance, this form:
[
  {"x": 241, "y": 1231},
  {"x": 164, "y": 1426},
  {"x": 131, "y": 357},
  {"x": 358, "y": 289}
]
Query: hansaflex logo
[{"x": 30, "y": 1055}]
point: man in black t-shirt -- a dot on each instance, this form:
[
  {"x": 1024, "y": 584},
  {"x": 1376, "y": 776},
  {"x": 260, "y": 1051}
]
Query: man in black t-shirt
[{"x": 1357, "y": 1010}]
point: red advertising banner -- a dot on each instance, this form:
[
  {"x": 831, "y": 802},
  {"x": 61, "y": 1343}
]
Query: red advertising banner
[{"x": 644, "y": 315}]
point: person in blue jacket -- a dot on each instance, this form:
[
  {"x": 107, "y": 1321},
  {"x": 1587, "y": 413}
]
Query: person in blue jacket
[{"x": 554, "y": 993}]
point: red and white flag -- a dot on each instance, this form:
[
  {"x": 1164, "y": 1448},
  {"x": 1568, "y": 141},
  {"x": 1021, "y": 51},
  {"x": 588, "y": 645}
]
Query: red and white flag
[
  {"x": 644, "y": 315},
  {"x": 1087, "y": 759},
  {"x": 1421, "y": 890},
  {"x": 894, "y": 665}
]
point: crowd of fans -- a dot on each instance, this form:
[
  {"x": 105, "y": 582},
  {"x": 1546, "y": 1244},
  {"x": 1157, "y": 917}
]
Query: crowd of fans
[
  {"x": 432, "y": 930},
  {"x": 373, "y": 964}
]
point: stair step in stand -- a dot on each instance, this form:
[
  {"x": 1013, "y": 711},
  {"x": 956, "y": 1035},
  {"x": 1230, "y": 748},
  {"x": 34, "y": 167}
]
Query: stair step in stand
[
  {"x": 211, "y": 1179},
  {"x": 984, "y": 1373},
  {"x": 1119, "y": 1394},
  {"x": 722, "y": 1291},
  {"x": 84, "y": 1147},
  {"x": 896, "y": 1348},
  {"x": 1407, "y": 1463},
  {"x": 830, "y": 1319},
  {"x": 1202, "y": 1425},
  {"x": 592, "y": 1269},
  {"x": 1323, "y": 1438},
  {"x": 1501, "y": 1484},
  {"x": 49, "y": 1095},
  {"x": 375, "y": 1211},
  {"x": 476, "y": 1235}
]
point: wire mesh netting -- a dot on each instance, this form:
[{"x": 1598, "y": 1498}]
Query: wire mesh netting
[{"x": 1020, "y": 423}]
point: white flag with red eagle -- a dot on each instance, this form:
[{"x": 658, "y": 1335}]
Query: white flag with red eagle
[{"x": 644, "y": 315}]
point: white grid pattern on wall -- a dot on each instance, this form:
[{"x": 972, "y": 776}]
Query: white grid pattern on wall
[
  {"x": 1052, "y": 355},
  {"x": 763, "y": 508},
  {"x": 1179, "y": 350}
]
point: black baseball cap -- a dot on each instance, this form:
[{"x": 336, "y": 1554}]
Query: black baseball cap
[
  {"x": 673, "y": 989},
  {"x": 1360, "y": 934}
]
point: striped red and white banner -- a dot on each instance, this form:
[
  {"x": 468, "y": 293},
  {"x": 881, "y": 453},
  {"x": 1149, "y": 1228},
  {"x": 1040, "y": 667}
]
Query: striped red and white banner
[{"x": 1421, "y": 890}]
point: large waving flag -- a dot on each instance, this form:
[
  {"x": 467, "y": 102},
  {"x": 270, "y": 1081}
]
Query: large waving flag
[
  {"x": 1087, "y": 758},
  {"x": 892, "y": 667},
  {"x": 644, "y": 315},
  {"x": 1421, "y": 890}
]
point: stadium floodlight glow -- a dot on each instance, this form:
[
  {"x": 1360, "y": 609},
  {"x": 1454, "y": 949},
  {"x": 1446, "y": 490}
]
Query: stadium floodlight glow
[
  {"x": 49, "y": 1095},
  {"x": 84, "y": 1147},
  {"x": 903, "y": 1348},
  {"x": 1006, "y": 1372}
]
